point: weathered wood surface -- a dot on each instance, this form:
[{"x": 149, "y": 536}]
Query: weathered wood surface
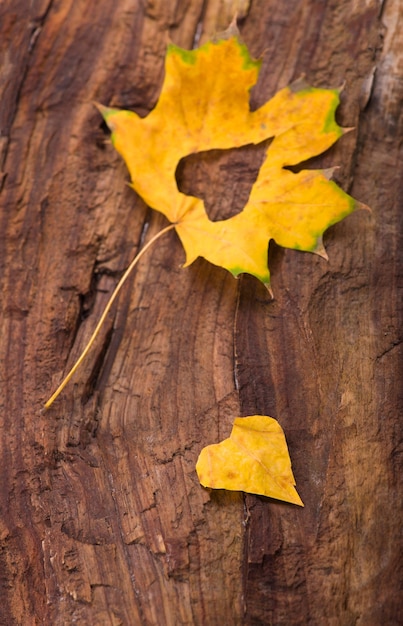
[{"x": 102, "y": 517}]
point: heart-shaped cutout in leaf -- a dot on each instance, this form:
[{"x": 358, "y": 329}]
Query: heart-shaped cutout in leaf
[{"x": 253, "y": 459}]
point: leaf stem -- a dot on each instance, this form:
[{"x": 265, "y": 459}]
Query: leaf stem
[{"x": 105, "y": 313}]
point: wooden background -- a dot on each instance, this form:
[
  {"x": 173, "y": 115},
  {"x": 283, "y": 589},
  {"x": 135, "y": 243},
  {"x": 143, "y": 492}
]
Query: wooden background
[{"x": 103, "y": 521}]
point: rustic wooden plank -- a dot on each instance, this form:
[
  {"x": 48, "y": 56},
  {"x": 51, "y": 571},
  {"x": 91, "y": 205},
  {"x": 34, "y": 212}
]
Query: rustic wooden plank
[
  {"x": 324, "y": 356},
  {"x": 102, "y": 518},
  {"x": 110, "y": 532}
]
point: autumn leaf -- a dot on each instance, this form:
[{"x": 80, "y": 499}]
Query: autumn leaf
[
  {"x": 253, "y": 459},
  {"x": 205, "y": 104}
]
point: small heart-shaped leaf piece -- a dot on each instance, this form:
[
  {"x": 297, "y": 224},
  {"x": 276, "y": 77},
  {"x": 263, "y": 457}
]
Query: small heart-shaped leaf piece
[{"x": 253, "y": 459}]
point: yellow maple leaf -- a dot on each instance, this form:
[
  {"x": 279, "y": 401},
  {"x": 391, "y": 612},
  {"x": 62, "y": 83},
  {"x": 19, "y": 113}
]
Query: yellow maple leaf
[
  {"x": 254, "y": 459},
  {"x": 204, "y": 105}
]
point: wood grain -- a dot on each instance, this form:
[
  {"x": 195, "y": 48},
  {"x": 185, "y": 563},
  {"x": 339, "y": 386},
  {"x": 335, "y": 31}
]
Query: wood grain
[{"x": 102, "y": 519}]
